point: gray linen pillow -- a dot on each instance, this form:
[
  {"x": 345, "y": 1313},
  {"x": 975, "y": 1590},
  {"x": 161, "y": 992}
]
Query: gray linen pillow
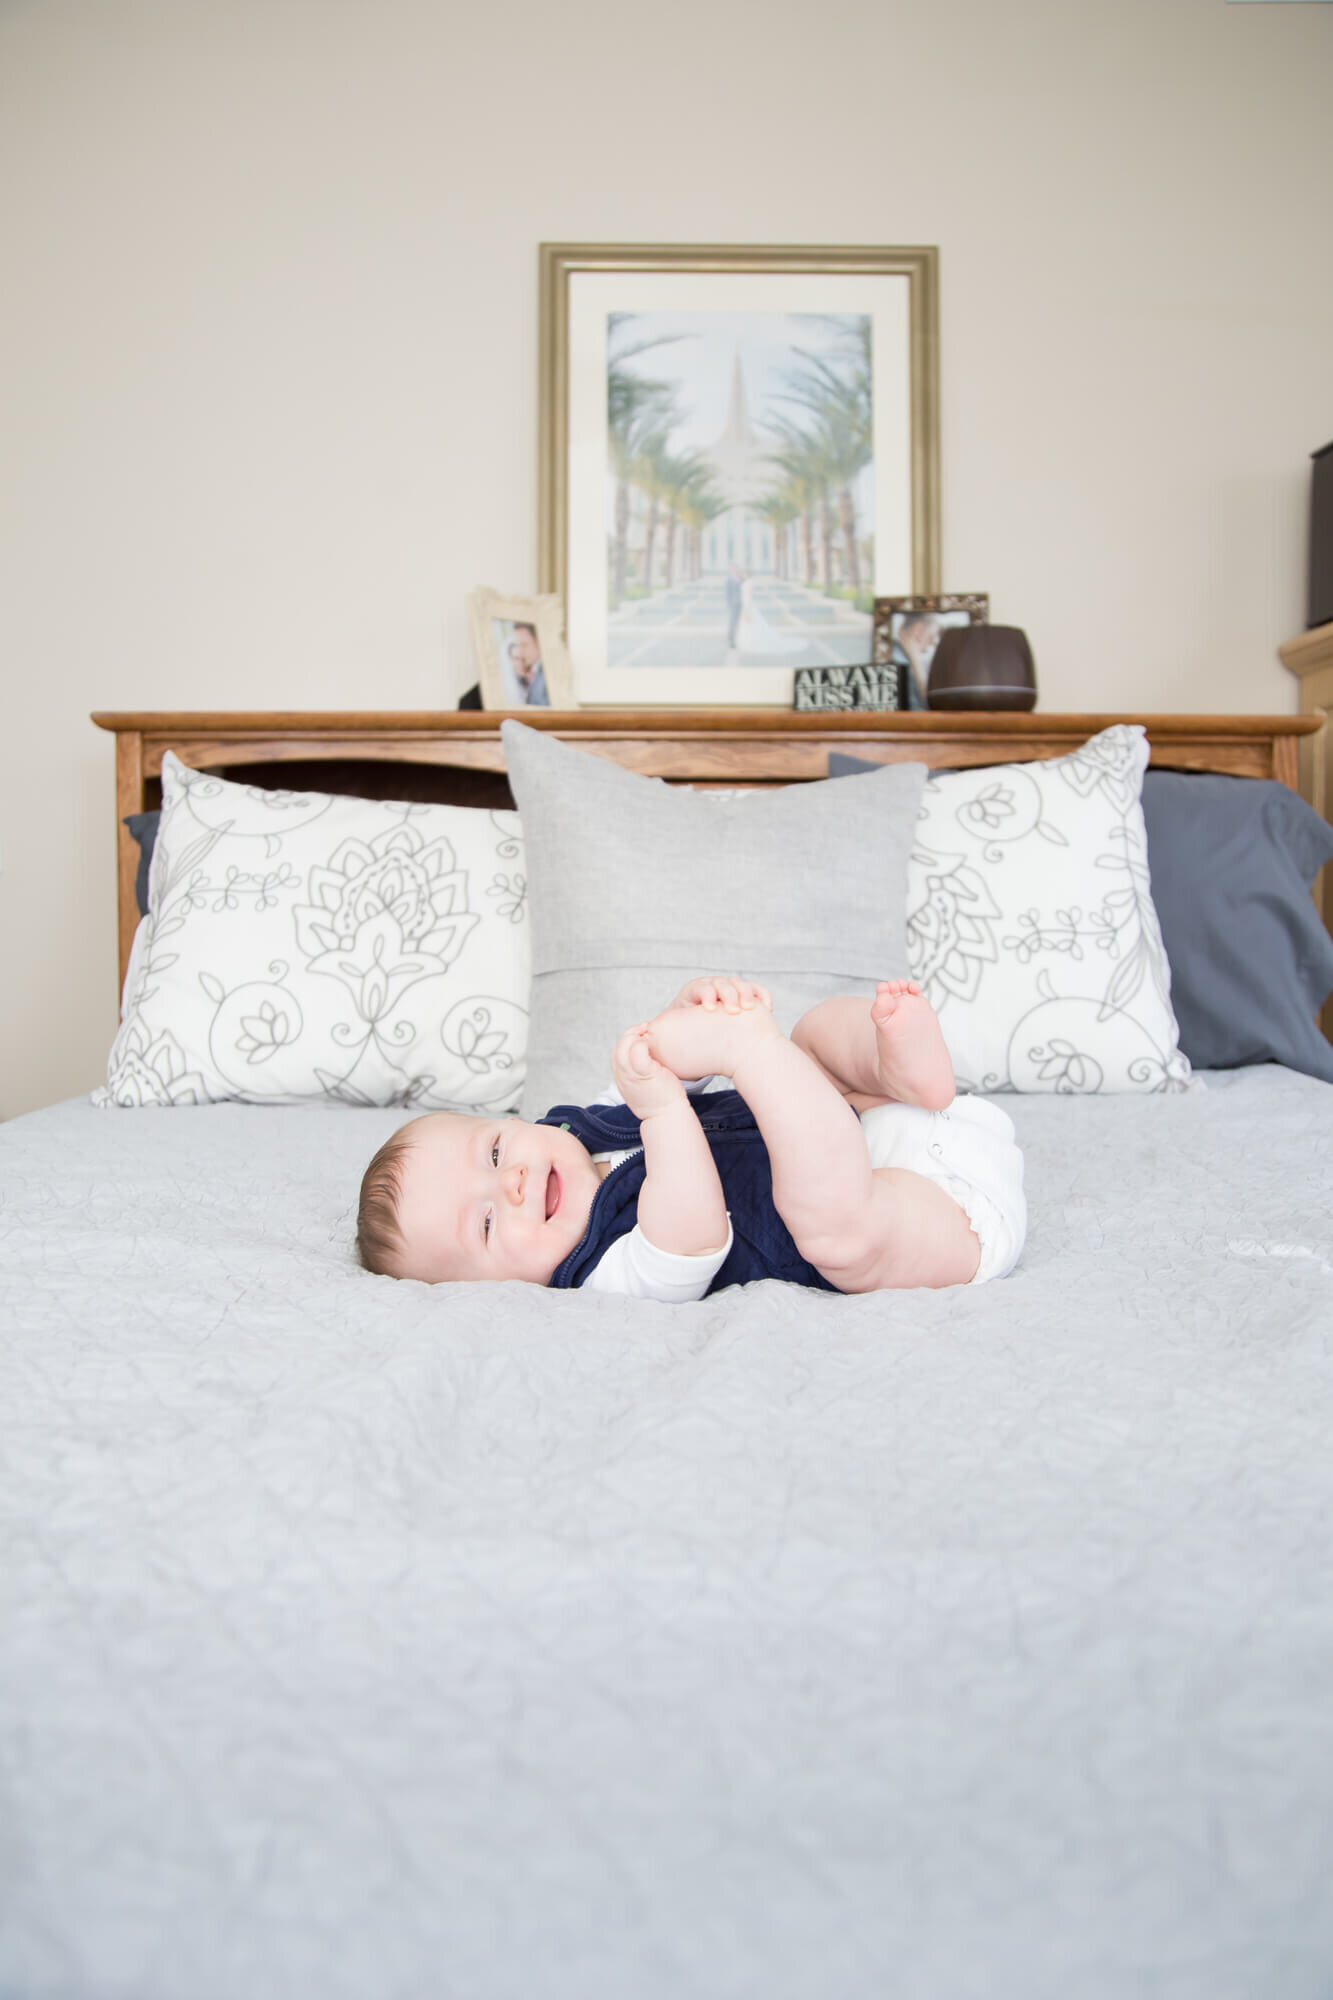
[{"x": 635, "y": 886}]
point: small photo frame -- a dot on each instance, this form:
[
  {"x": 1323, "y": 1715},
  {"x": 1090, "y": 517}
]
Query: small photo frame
[
  {"x": 520, "y": 648},
  {"x": 907, "y": 630}
]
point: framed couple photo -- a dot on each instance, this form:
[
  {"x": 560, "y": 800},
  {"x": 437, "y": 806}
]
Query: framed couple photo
[
  {"x": 739, "y": 453},
  {"x": 521, "y": 656},
  {"x": 907, "y": 631}
]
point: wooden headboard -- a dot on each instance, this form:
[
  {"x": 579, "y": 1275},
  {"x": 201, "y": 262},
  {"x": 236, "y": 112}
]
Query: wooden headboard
[{"x": 456, "y": 755}]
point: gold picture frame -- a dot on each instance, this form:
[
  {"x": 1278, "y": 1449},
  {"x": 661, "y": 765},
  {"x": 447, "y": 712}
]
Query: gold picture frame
[
  {"x": 522, "y": 660},
  {"x": 603, "y": 310}
]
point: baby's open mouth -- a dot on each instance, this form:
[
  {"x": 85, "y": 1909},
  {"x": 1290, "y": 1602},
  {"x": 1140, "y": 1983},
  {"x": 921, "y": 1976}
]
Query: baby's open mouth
[{"x": 552, "y": 1193}]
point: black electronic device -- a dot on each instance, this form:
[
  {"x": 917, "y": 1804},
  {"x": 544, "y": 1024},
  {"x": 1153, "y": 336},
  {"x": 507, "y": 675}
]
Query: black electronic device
[{"x": 1320, "y": 611}]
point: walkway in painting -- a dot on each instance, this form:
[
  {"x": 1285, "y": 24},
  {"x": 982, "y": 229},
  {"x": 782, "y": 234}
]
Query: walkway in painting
[{"x": 687, "y": 627}]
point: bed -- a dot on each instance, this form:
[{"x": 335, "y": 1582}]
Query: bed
[{"x": 376, "y": 1640}]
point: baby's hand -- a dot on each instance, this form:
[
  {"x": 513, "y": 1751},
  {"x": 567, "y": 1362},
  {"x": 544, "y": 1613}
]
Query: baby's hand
[
  {"x": 646, "y": 1085},
  {"x": 727, "y": 991}
]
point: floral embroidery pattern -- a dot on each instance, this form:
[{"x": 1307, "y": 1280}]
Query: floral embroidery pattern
[
  {"x": 383, "y": 914},
  {"x": 154, "y": 1071},
  {"x": 509, "y": 894},
  {"x": 487, "y": 1036},
  {"x": 1036, "y": 939},
  {"x": 951, "y": 934},
  {"x": 302, "y": 945}
]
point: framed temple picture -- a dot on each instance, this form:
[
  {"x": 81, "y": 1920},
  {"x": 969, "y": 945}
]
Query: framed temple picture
[
  {"x": 739, "y": 452},
  {"x": 520, "y": 648}
]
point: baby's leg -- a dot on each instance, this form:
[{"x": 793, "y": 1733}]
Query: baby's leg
[
  {"x": 927, "y": 1240},
  {"x": 863, "y": 1229},
  {"x": 889, "y": 1047}
]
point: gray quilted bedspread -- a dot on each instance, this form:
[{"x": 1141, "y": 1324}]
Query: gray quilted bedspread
[{"x": 362, "y": 1639}]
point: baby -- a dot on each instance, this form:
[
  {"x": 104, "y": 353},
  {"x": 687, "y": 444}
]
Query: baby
[{"x": 840, "y": 1159}]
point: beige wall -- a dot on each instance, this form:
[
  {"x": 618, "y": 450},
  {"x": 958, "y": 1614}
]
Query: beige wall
[{"x": 267, "y": 402}]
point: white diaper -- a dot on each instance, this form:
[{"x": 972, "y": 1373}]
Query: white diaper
[{"x": 969, "y": 1151}]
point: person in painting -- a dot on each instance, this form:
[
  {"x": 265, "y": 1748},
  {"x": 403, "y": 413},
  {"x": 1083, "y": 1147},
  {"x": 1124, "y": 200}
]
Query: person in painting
[
  {"x": 525, "y": 660},
  {"x": 755, "y": 635},
  {"x": 913, "y": 650},
  {"x": 735, "y": 586}
]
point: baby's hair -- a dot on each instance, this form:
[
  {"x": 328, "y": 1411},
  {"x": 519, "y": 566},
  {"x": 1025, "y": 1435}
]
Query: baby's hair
[{"x": 379, "y": 1236}]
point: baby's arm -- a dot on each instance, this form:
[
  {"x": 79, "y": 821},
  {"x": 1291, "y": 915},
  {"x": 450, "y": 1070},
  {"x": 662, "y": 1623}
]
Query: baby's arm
[
  {"x": 823, "y": 1184},
  {"x": 681, "y": 1205}
]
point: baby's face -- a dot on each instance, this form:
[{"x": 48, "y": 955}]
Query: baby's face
[{"x": 492, "y": 1198}]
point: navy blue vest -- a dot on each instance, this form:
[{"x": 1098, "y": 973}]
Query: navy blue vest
[{"x": 763, "y": 1246}]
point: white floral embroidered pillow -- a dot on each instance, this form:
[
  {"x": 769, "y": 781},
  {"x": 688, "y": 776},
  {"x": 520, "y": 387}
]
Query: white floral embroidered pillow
[
  {"x": 1031, "y": 926},
  {"x": 300, "y": 945}
]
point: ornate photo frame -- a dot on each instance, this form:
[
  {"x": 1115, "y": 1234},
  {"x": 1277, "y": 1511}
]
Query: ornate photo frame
[{"x": 907, "y": 631}]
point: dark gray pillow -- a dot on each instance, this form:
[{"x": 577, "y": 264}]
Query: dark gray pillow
[
  {"x": 143, "y": 828},
  {"x": 1232, "y": 861}
]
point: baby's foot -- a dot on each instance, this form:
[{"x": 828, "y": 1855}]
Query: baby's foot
[{"x": 914, "y": 1064}]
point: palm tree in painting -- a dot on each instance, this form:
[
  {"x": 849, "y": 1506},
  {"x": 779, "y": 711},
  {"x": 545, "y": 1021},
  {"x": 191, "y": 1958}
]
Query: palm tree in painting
[
  {"x": 834, "y": 393},
  {"x": 651, "y": 474},
  {"x": 803, "y": 485},
  {"x": 669, "y": 482},
  {"x": 780, "y": 510},
  {"x": 681, "y": 476},
  {"x": 637, "y": 409},
  {"x": 700, "y": 504},
  {"x": 846, "y": 457}
]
